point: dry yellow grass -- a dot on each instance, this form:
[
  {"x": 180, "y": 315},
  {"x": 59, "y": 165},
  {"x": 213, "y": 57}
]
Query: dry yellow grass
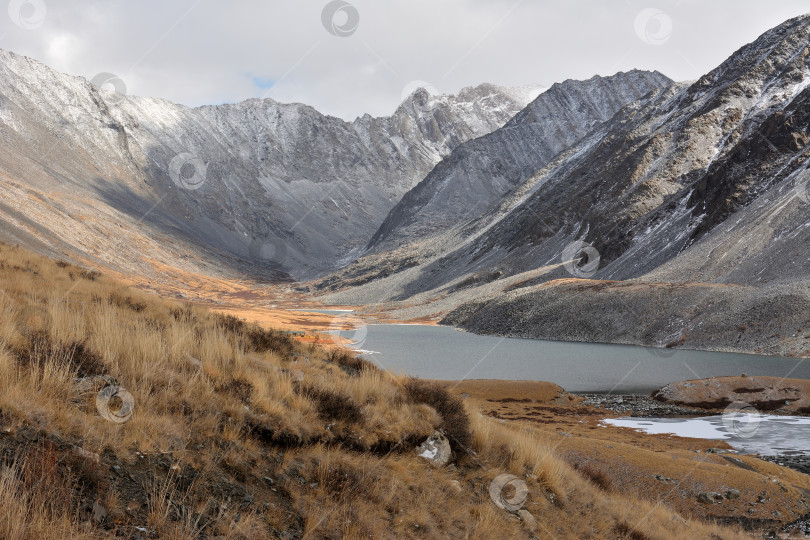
[{"x": 237, "y": 431}]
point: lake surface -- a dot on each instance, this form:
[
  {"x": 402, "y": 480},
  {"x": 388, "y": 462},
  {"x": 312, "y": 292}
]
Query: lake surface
[
  {"x": 441, "y": 352},
  {"x": 766, "y": 435}
]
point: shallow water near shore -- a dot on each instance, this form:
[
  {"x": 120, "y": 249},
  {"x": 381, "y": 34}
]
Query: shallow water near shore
[
  {"x": 767, "y": 435},
  {"x": 441, "y": 352}
]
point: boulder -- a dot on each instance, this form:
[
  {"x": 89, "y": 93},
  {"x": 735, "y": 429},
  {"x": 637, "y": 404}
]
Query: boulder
[
  {"x": 435, "y": 449},
  {"x": 760, "y": 393}
]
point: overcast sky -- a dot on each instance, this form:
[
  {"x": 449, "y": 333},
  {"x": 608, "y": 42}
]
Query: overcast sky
[{"x": 352, "y": 57}]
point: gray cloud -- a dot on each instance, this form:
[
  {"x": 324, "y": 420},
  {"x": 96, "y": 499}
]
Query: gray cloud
[{"x": 203, "y": 52}]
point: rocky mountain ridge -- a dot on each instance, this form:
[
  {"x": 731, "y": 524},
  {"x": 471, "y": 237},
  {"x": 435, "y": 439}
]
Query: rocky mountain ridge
[
  {"x": 280, "y": 187},
  {"x": 686, "y": 213},
  {"x": 482, "y": 171}
]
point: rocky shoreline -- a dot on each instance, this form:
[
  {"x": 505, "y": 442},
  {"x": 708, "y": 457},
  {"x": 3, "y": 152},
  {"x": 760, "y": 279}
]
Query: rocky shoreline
[
  {"x": 799, "y": 463},
  {"x": 638, "y": 405}
]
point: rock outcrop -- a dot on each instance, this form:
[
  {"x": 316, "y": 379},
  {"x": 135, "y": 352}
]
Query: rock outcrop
[{"x": 759, "y": 394}]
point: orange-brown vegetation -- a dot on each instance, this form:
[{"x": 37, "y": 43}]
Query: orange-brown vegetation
[
  {"x": 668, "y": 469},
  {"x": 125, "y": 414}
]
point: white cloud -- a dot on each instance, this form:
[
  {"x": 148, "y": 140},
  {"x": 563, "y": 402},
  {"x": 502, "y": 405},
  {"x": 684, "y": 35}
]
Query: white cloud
[
  {"x": 61, "y": 49},
  {"x": 206, "y": 51}
]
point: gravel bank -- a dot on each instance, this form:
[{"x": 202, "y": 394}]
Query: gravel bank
[
  {"x": 638, "y": 405},
  {"x": 797, "y": 463}
]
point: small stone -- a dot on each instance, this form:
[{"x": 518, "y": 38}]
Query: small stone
[
  {"x": 709, "y": 497},
  {"x": 88, "y": 455},
  {"x": 93, "y": 383},
  {"x": 99, "y": 512},
  {"x": 733, "y": 494},
  {"x": 295, "y": 374},
  {"x": 528, "y": 520}
]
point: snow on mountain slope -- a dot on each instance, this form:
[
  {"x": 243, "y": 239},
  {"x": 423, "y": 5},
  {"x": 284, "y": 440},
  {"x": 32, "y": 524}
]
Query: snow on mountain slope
[
  {"x": 279, "y": 186},
  {"x": 700, "y": 182},
  {"x": 664, "y": 174},
  {"x": 708, "y": 184},
  {"x": 478, "y": 173}
]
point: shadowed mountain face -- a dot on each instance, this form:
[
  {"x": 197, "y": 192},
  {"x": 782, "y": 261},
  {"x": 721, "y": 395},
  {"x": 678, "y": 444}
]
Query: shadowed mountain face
[
  {"x": 279, "y": 187},
  {"x": 480, "y": 172}
]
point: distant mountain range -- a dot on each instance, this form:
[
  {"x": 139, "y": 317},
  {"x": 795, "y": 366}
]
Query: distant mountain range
[
  {"x": 482, "y": 171},
  {"x": 276, "y": 187},
  {"x": 627, "y": 208},
  {"x": 683, "y": 220}
]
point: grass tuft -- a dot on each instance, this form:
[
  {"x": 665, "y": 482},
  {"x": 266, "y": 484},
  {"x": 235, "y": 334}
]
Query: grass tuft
[{"x": 455, "y": 423}]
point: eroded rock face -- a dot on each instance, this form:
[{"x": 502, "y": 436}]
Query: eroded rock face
[
  {"x": 666, "y": 172},
  {"x": 435, "y": 449}
]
